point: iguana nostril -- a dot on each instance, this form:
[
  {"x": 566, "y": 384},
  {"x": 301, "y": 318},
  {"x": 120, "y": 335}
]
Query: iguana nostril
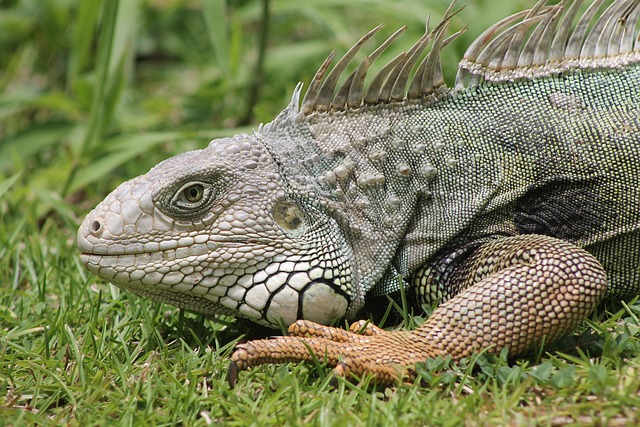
[{"x": 96, "y": 227}]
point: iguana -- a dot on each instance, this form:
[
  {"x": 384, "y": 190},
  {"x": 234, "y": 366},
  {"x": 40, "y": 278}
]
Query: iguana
[{"x": 513, "y": 199}]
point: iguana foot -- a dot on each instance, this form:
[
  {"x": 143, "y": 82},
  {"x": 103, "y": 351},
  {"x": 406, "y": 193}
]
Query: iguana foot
[{"x": 364, "y": 349}]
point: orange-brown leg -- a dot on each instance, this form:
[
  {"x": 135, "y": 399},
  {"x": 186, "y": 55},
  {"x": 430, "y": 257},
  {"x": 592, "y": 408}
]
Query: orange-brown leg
[{"x": 518, "y": 291}]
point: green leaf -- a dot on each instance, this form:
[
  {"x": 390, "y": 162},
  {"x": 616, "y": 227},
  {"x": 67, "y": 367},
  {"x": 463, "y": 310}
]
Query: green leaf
[
  {"x": 598, "y": 374},
  {"x": 215, "y": 18},
  {"x": 510, "y": 374},
  {"x": 32, "y": 141},
  {"x": 542, "y": 372},
  {"x": 564, "y": 377},
  {"x": 6, "y": 184},
  {"x": 83, "y": 37}
]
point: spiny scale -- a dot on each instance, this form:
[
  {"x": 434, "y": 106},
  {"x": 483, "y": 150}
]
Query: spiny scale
[
  {"x": 502, "y": 53},
  {"x": 390, "y": 83},
  {"x": 549, "y": 50}
]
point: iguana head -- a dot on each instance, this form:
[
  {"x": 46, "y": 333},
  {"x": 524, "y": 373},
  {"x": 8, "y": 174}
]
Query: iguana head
[
  {"x": 218, "y": 231},
  {"x": 300, "y": 219}
]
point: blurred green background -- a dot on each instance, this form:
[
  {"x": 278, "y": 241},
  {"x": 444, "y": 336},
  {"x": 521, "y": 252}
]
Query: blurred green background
[{"x": 95, "y": 92}]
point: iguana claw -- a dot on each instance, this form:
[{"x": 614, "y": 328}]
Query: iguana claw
[{"x": 232, "y": 374}]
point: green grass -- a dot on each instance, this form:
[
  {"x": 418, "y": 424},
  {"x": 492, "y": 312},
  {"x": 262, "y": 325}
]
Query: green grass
[{"x": 93, "y": 93}]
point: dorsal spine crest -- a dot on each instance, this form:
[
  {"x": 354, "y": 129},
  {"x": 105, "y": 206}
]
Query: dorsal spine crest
[{"x": 539, "y": 42}]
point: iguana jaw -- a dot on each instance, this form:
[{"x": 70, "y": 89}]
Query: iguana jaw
[{"x": 237, "y": 247}]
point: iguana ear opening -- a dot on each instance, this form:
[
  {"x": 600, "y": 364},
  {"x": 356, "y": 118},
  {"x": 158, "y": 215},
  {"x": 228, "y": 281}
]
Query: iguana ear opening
[{"x": 288, "y": 215}]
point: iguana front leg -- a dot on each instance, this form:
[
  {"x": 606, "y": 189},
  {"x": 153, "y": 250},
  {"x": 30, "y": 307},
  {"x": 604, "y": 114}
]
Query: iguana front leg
[{"x": 518, "y": 291}]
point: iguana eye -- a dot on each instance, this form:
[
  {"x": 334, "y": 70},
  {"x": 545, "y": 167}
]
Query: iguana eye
[
  {"x": 192, "y": 196},
  {"x": 192, "y": 193}
]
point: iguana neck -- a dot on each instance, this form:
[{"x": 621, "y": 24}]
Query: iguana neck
[{"x": 367, "y": 169}]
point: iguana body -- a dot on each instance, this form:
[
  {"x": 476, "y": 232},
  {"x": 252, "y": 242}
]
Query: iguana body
[{"x": 514, "y": 197}]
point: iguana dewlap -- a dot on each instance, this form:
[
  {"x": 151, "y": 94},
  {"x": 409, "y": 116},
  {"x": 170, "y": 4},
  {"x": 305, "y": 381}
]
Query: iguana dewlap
[{"x": 512, "y": 198}]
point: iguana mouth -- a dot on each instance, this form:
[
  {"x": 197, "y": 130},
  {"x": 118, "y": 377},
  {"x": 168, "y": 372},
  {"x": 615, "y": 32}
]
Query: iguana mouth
[{"x": 103, "y": 250}]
